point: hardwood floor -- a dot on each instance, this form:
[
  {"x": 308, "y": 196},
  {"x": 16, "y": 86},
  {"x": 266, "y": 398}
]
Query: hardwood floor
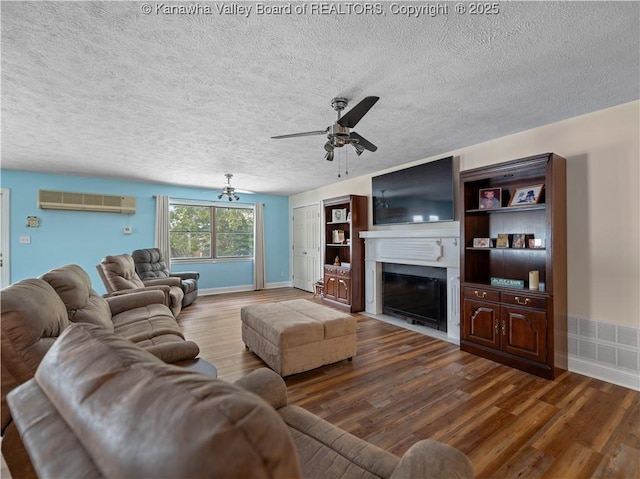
[{"x": 404, "y": 386}]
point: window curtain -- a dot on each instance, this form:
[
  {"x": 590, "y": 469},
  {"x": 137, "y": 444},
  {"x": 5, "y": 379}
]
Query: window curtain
[
  {"x": 162, "y": 228},
  {"x": 258, "y": 248}
]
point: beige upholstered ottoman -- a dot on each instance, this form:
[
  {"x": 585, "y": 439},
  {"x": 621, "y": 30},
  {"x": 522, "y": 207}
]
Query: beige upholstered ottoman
[{"x": 298, "y": 335}]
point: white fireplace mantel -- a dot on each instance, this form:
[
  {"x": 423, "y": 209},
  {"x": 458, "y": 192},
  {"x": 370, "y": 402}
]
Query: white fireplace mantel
[{"x": 436, "y": 245}]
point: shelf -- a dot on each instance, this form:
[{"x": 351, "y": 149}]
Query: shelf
[
  {"x": 504, "y": 320},
  {"x": 509, "y": 209},
  {"x": 344, "y": 284},
  {"x": 471, "y": 248}
]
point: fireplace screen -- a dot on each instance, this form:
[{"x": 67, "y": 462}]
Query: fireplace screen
[{"x": 414, "y": 298}]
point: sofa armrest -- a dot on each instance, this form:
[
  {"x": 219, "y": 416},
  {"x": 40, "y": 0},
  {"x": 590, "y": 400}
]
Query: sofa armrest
[
  {"x": 186, "y": 275},
  {"x": 168, "y": 281},
  {"x": 267, "y": 384},
  {"x": 174, "y": 352},
  {"x": 135, "y": 299},
  {"x": 16, "y": 456},
  {"x": 433, "y": 460},
  {"x": 55, "y": 450}
]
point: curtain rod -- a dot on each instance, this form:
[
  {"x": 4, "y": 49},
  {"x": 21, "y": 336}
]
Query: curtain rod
[{"x": 192, "y": 199}]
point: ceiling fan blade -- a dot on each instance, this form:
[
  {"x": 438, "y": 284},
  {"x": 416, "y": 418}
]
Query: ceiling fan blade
[
  {"x": 353, "y": 116},
  {"x": 306, "y": 133},
  {"x": 366, "y": 144}
]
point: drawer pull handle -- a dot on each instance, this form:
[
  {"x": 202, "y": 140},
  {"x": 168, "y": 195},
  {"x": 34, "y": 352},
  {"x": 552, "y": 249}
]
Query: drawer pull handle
[
  {"x": 496, "y": 326},
  {"x": 526, "y": 301},
  {"x": 504, "y": 328},
  {"x": 481, "y": 296}
]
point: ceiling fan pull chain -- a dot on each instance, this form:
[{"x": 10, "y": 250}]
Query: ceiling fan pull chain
[
  {"x": 346, "y": 162},
  {"x": 339, "y": 164}
]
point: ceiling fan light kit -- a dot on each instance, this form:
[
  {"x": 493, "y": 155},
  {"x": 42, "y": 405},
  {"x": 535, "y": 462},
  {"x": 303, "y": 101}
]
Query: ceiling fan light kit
[
  {"x": 229, "y": 190},
  {"x": 339, "y": 134}
]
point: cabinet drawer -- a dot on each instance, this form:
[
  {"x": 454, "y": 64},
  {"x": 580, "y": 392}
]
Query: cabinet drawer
[
  {"x": 330, "y": 269},
  {"x": 524, "y": 300},
  {"x": 480, "y": 293},
  {"x": 344, "y": 273}
]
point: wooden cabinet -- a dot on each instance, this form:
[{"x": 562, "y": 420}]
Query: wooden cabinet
[
  {"x": 344, "y": 218},
  {"x": 505, "y": 318},
  {"x": 337, "y": 282}
]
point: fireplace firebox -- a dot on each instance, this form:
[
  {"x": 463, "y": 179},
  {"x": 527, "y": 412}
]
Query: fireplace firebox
[{"x": 417, "y": 294}]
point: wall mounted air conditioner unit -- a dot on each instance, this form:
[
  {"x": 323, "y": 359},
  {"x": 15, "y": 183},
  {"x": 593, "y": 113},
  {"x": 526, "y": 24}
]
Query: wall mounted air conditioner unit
[{"x": 63, "y": 200}]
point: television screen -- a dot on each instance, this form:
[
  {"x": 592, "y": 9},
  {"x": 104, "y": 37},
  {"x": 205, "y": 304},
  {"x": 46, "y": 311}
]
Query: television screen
[{"x": 419, "y": 194}]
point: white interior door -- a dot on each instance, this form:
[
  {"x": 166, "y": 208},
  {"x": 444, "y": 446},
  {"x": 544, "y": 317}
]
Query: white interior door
[
  {"x": 4, "y": 237},
  {"x": 306, "y": 247}
]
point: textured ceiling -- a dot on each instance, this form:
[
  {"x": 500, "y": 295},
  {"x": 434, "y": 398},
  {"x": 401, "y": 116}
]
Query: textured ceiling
[{"x": 100, "y": 88}]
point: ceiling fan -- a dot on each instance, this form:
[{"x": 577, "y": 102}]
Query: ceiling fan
[
  {"x": 339, "y": 134},
  {"x": 229, "y": 190}
]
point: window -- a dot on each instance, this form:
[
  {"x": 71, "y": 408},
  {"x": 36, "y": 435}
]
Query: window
[{"x": 210, "y": 232}]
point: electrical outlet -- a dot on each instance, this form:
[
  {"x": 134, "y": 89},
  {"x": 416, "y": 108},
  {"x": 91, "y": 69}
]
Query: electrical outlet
[
  {"x": 127, "y": 230},
  {"x": 25, "y": 239}
]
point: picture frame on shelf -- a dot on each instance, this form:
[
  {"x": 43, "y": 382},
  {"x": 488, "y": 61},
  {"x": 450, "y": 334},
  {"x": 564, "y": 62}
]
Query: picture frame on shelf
[
  {"x": 339, "y": 215},
  {"x": 526, "y": 195},
  {"x": 489, "y": 198},
  {"x": 519, "y": 241},
  {"x": 502, "y": 241},
  {"x": 536, "y": 243},
  {"x": 482, "y": 242}
]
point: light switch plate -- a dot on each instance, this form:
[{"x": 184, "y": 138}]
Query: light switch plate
[{"x": 127, "y": 230}]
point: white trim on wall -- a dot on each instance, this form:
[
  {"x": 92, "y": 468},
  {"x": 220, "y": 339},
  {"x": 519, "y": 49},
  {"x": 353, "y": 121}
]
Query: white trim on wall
[{"x": 242, "y": 288}]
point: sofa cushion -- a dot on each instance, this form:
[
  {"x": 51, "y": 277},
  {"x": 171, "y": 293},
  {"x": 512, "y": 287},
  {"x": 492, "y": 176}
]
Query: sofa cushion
[
  {"x": 33, "y": 316},
  {"x": 139, "y": 417},
  {"x": 83, "y": 304},
  {"x": 335, "y": 323},
  {"x": 281, "y": 326}
]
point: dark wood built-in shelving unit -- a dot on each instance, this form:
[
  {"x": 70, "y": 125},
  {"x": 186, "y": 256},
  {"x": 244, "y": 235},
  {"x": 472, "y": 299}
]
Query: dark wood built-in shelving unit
[
  {"x": 344, "y": 283},
  {"x": 520, "y": 327}
]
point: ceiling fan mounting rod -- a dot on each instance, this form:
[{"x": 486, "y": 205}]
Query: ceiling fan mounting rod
[{"x": 339, "y": 104}]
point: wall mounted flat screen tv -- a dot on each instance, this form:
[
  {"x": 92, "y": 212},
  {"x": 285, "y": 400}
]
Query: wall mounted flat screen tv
[{"x": 419, "y": 194}]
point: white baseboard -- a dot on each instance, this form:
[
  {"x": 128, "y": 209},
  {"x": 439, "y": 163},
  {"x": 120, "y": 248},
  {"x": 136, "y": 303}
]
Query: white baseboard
[
  {"x": 241, "y": 288},
  {"x": 603, "y": 350},
  {"x": 604, "y": 373}
]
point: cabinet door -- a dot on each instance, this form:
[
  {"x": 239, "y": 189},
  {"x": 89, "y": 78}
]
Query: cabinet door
[
  {"x": 344, "y": 290},
  {"x": 330, "y": 287},
  {"x": 524, "y": 333},
  {"x": 481, "y": 323}
]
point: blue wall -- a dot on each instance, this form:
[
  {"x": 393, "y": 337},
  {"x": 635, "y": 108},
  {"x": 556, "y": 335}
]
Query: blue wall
[{"x": 84, "y": 238}]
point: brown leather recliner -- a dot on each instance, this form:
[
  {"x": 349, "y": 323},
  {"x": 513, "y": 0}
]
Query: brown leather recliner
[
  {"x": 118, "y": 273},
  {"x": 150, "y": 265}
]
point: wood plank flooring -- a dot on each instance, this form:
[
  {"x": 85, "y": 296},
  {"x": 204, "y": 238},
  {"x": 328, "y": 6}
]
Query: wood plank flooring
[{"x": 404, "y": 386}]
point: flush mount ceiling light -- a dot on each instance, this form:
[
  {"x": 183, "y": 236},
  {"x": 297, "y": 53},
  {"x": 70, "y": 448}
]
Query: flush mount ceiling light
[{"x": 229, "y": 190}]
